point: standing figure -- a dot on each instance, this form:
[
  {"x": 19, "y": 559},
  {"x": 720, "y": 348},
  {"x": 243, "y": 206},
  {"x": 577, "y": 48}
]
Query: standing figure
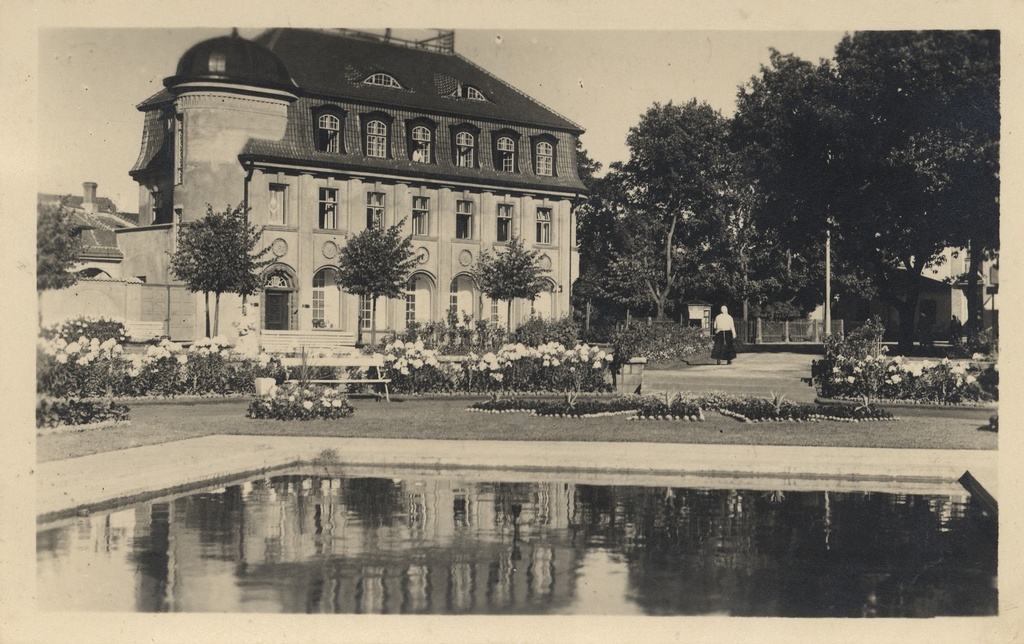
[
  {"x": 956, "y": 330},
  {"x": 725, "y": 332}
]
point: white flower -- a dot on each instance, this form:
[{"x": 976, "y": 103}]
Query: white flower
[
  {"x": 498, "y": 376},
  {"x": 404, "y": 371},
  {"x": 307, "y": 404},
  {"x": 836, "y": 369},
  {"x": 971, "y": 380},
  {"x": 851, "y": 379},
  {"x": 74, "y": 347},
  {"x": 597, "y": 364},
  {"x": 291, "y": 398},
  {"x": 417, "y": 363},
  {"x": 895, "y": 379},
  {"x": 335, "y": 403},
  {"x": 182, "y": 358},
  {"x": 857, "y": 370},
  {"x": 62, "y": 358}
]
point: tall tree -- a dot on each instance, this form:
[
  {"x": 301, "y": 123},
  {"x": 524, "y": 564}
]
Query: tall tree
[
  {"x": 376, "y": 263},
  {"x": 218, "y": 254},
  {"x": 514, "y": 273},
  {"x": 57, "y": 246},
  {"x": 924, "y": 162},
  {"x": 674, "y": 190},
  {"x": 786, "y": 130}
]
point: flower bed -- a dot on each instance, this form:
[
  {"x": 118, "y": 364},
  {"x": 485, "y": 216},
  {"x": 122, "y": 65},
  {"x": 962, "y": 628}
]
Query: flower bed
[
  {"x": 578, "y": 409},
  {"x": 53, "y": 413},
  {"x": 292, "y": 401},
  {"x": 690, "y": 407},
  {"x": 641, "y": 407},
  {"x": 88, "y": 367},
  {"x": 858, "y": 366}
]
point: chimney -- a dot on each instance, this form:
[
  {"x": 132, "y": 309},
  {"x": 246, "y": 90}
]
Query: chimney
[{"x": 89, "y": 197}]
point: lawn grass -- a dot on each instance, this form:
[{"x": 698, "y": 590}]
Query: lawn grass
[{"x": 447, "y": 419}]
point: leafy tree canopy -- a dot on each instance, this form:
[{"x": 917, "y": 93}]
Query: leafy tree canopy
[
  {"x": 57, "y": 248},
  {"x": 511, "y": 274},
  {"x": 218, "y": 254},
  {"x": 377, "y": 262}
]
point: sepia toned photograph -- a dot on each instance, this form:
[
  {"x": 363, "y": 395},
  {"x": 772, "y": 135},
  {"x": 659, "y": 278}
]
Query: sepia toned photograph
[{"x": 540, "y": 323}]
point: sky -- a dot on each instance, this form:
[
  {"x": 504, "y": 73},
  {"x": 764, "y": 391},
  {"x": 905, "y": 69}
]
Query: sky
[{"x": 91, "y": 79}]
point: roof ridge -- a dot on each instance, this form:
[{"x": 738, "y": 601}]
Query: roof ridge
[{"x": 521, "y": 92}]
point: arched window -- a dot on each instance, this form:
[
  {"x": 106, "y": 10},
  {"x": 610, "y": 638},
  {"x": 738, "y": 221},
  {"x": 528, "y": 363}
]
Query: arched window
[
  {"x": 383, "y": 80},
  {"x": 462, "y": 295},
  {"x": 465, "y": 149},
  {"x": 421, "y": 140},
  {"x": 505, "y": 160},
  {"x": 377, "y": 139},
  {"x": 328, "y": 134},
  {"x": 545, "y": 159},
  {"x": 474, "y": 94},
  {"x": 326, "y": 299}
]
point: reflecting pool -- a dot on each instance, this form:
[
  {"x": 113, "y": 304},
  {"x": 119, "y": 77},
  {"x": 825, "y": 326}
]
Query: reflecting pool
[{"x": 421, "y": 543}]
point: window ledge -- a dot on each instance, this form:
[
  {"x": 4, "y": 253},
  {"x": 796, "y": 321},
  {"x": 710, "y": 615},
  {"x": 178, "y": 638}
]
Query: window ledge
[
  {"x": 279, "y": 227},
  {"x": 430, "y": 238},
  {"x": 330, "y": 231},
  {"x": 459, "y": 240}
]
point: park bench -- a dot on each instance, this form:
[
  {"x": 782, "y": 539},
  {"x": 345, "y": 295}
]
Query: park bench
[{"x": 344, "y": 362}]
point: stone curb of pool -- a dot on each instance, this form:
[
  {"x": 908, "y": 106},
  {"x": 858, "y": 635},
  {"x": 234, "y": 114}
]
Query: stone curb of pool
[{"x": 64, "y": 487}]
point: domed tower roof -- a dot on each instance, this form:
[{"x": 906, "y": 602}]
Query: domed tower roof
[{"x": 232, "y": 59}]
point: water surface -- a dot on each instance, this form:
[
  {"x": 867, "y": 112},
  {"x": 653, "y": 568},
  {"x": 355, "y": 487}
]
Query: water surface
[{"x": 429, "y": 544}]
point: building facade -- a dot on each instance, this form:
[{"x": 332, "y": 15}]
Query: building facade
[{"x": 326, "y": 133}]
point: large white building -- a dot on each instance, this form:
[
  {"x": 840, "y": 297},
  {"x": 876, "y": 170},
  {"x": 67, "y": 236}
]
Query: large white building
[{"x": 324, "y": 133}]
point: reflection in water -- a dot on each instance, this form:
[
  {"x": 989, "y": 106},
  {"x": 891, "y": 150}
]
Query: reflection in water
[{"x": 318, "y": 544}]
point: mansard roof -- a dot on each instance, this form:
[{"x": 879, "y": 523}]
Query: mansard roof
[{"x": 335, "y": 64}]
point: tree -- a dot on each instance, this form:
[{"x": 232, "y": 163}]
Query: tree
[
  {"x": 673, "y": 193},
  {"x": 512, "y": 274},
  {"x": 217, "y": 254},
  {"x": 893, "y": 147},
  {"x": 57, "y": 248},
  {"x": 927, "y": 105},
  {"x": 785, "y": 132},
  {"x": 376, "y": 263}
]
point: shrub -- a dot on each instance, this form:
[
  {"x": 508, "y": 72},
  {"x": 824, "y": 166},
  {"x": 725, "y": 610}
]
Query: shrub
[
  {"x": 660, "y": 343},
  {"x": 538, "y": 331},
  {"x": 549, "y": 367},
  {"x": 91, "y": 368},
  {"x": 101, "y": 328},
  {"x": 415, "y": 369},
  {"x": 53, "y": 412},
  {"x": 451, "y": 336},
  {"x": 292, "y": 401}
]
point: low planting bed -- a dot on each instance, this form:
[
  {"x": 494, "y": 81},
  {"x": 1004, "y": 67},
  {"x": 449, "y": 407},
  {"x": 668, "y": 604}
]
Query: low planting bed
[
  {"x": 61, "y": 413},
  {"x": 689, "y": 407},
  {"x": 295, "y": 401}
]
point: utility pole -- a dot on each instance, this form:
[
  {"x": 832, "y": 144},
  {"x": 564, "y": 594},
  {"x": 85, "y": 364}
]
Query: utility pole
[{"x": 828, "y": 281}]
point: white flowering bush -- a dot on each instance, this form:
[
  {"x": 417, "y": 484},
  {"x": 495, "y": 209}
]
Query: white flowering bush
[
  {"x": 102, "y": 328},
  {"x": 87, "y": 367},
  {"x": 549, "y": 367},
  {"x": 294, "y": 401},
  {"x": 416, "y": 369},
  {"x": 880, "y": 377}
]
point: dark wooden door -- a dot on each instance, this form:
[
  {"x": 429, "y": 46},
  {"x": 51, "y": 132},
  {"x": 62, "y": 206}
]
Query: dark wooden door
[{"x": 276, "y": 311}]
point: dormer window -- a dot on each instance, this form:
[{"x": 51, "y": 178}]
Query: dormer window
[
  {"x": 421, "y": 144},
  {"x": 218, "y": 62},
  {"x": 505, "y": 144},
  {"x": 468, "y": 92},
  {"x": 465, "y": 148},
  {"x": 377, "y": 139},
  {"x": 328, "y": 133},
  {"x": 383, "y": 80},
  {"x": 376, "y": 132},
  {"x": 544, "y": 156}
]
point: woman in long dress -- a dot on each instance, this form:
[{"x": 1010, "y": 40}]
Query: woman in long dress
[{"x": 725, "y": 332}]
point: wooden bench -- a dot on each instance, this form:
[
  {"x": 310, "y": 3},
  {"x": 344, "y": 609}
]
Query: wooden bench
[{"x": 344, "y": 362}]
